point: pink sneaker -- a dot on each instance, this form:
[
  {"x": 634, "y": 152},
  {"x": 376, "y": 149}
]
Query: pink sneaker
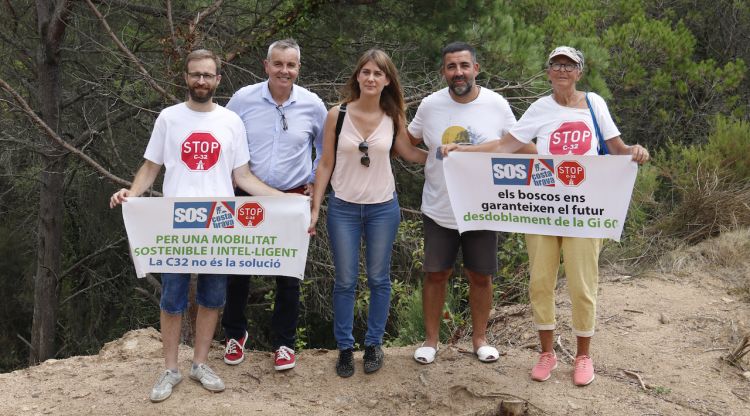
[
  {"x": 583, "y": 373},
  {"x": 283, "y": 358},
  {"x": 543, "y": 368},
  {"x": 234, "y": 352}
]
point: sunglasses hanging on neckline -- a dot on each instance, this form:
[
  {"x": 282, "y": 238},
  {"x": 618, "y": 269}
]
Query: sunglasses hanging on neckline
[{"x": 365, "y": 159}]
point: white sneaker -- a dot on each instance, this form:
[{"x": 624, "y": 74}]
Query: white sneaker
[
  {"x": 204, "y": 375},
  {"x": 163, "y": 387}
]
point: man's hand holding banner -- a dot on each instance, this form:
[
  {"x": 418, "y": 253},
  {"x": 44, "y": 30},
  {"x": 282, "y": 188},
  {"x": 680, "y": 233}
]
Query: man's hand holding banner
[
  {"x": 570, "y": 196},
  {"x": 248, "y": 236}
]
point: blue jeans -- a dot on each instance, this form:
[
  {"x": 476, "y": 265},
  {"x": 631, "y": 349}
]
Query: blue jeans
[
  {"x": 210, "y": 293},
  {"x": 347, "y": 224}
]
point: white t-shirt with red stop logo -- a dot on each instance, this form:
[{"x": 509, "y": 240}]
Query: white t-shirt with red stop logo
[
  {"x": 561, "y": 130},
  {"x": 198, "y": 149}
]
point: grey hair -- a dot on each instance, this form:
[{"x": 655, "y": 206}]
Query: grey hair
[{"x": 285, "y": 44}]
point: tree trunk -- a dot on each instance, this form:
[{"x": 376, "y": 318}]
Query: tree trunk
[
  {"x": 49, "y": 244},
  {"x": 51, "y": 29}
]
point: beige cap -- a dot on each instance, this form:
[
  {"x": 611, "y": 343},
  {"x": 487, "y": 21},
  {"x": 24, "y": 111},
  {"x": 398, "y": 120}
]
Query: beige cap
[{"x": 572, "y": 53}]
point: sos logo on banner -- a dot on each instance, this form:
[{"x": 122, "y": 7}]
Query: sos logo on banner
[
  {"x": 200, "y": 151},
  {"x": 203, "y": 214},
  {"x": 506, "y": 171},
  {"x": 571, "y": 138}
]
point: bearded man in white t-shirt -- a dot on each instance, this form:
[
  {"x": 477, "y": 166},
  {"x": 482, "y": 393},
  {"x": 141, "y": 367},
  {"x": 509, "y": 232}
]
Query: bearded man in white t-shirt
[
  {"x": 203, "y": 148},
  {"x": 461, "y": 113}
]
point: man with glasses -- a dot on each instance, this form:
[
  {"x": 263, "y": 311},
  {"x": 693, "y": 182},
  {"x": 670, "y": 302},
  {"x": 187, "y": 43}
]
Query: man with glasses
[
  {"x": 461, "y": 113},
  {"x": 207, "y": 174},
  {"x": 284, "y": 122}
]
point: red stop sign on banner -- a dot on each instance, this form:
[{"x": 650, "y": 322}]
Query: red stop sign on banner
[
  {"x": 571, "y": 173},
  {"x": 571, "y": 138},
  {"x": 250, "y": 214},
  {"x": 200, "y": 151}
]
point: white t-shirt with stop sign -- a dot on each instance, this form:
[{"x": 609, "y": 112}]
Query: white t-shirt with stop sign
[
  {"x": 561, "y": 130},
  {"x": 198, "y": 149}
]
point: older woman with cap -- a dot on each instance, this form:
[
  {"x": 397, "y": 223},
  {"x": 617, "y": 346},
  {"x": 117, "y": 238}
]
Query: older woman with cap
[{"x": 566, "y": 104}]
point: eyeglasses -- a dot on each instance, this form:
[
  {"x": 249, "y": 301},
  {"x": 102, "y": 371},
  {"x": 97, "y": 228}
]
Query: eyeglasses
[
  {"x": 558, "y": 67},
  {"x": 195, "y": 76},
  {"x": 365, "y": 159},
  {"x": 284, "y": 124}
]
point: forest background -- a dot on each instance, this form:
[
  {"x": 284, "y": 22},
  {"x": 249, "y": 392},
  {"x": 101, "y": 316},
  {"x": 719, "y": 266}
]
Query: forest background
[{"x": 83, "y": 81}]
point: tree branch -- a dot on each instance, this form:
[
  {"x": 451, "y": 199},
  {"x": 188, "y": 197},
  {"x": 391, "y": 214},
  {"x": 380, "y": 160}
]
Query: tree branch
[
  {"x": 204, "y": 14},
  {"x": 171, "y": 22},
  {"x": 121, "y": 116},
  {"x": 124, "y": 49},
  {"x": 91, "y": 255},
  {"x": 91, "y": 287},
  {"x": 289, "y": 17},
  {"x": 59, "y": 140},
  {"x": 140, "y": 9}
]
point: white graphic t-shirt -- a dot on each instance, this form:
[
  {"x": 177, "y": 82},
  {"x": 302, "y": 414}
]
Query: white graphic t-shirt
[
  {"x": 441, "y": 120},
  {"x": 561, "y": 130},
  {"x": 198, "y": 149}
]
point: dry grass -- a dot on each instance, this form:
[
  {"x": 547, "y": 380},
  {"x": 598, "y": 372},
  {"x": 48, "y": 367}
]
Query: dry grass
[
  {"x": 709, "y": 205},
  {"x": 728, "y": 250}
]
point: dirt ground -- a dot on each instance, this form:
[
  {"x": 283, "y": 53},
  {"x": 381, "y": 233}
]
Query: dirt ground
[{"x": 670, "y": 327}]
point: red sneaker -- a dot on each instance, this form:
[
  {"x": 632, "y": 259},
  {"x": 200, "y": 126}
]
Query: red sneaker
[
  {"x": 283, "y": 358},
  {"x": 234, "y": 352}
]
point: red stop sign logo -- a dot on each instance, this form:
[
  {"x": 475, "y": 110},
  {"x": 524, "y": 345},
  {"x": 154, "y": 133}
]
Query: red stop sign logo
[
  {"x": 250, "y": 214},
  {"x": 570, "y": 173},
  {"x": 200, "y": 151},
  {"x": 571, "y": 138}
]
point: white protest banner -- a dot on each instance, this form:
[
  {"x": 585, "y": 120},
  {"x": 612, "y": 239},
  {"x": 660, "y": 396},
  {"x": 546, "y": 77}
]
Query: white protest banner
[
  {"x": 249, "y": 235},
  {"x": 570, "y": 196}
]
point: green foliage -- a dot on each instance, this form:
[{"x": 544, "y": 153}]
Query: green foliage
[
  {"x": 655, "y": 82},
  {"x": 407, "y": 312},
  {"x": 726, "y": 152},
  {"x": 673, "y": 73},
  {"x": 512, "y": 282},
  {"x": 710, "y": 183},
  {"x": 689, "y": 193},
  {"x": 409, "y": 320}
]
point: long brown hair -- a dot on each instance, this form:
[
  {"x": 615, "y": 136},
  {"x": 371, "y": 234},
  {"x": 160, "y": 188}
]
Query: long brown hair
[{"x": 392, "y": 97}]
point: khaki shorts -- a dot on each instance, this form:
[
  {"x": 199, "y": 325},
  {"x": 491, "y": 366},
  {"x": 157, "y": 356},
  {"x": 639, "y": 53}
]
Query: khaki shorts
[{"x": 479, "y": 248}]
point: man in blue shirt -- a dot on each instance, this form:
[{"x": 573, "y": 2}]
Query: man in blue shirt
[{"x": 283, "y": 122}]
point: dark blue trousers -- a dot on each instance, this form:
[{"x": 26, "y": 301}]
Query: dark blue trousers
[{"x": 285, "y": 309}]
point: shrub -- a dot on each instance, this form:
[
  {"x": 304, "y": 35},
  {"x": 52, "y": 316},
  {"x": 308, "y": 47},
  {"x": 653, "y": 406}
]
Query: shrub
[
  {"x": 688, "y": 194},
  {"x": 708, "y": 185}
]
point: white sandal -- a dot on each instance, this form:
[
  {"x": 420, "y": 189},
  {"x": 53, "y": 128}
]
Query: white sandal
[
  {"x": 425, "y": 355},
  {"x": 487, "y": 353}
]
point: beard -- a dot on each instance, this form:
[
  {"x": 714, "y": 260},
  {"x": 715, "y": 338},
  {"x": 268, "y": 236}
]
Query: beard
[
  {"x": 461, "y": 90},
  {"x": 201, "y": 95}
]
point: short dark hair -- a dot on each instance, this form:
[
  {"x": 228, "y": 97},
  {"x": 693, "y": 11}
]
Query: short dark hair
[
  {"x": 199, "y": 54},
  {"x": 459, "y": 47}
]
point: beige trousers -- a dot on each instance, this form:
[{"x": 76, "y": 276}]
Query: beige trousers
[{"x": 581, "y": 261}]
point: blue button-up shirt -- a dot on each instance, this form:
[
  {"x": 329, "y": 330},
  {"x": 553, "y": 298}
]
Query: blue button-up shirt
[{"x": 281, "y": 158}]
